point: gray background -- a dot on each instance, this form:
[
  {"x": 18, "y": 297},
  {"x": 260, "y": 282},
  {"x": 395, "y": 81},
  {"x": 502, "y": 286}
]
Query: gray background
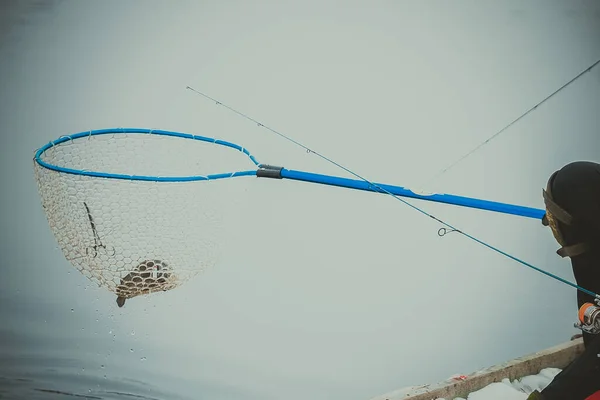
[{"x": 321, "y": 292}]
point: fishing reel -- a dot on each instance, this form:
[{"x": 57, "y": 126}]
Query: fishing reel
[{"x": 589, "y": 318}]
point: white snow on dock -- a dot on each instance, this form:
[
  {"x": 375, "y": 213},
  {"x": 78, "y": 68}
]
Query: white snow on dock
[{"x": 518, "y": 389}]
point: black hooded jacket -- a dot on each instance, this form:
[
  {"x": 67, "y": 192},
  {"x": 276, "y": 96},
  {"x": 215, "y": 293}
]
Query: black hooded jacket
[{"x": 576, "y": 189}]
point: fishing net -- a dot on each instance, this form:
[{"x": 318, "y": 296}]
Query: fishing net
[{"x": 135, "y": 211}]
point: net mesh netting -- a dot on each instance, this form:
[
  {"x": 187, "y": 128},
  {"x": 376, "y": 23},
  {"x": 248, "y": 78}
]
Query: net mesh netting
[{"x": 137, "y": 237}]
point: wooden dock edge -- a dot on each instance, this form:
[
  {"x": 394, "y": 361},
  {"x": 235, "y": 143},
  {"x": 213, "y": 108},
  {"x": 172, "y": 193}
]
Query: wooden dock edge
[{"x": 554, "y": 357}]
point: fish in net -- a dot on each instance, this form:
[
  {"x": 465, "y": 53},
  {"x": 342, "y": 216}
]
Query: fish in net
[{"x": 137, "y": 212}]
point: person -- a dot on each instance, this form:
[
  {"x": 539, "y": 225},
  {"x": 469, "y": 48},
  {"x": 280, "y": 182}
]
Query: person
[{"x": 572, "y": 199}]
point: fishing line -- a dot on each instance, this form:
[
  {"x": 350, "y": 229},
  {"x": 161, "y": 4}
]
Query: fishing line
[
  {"x": 495, "y": 135},
  {"x": 441, "y": 232}
]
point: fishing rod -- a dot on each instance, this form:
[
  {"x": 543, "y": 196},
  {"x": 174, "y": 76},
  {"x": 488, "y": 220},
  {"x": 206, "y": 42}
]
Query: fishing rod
[
  {"x": 397, "y": 192},
  {"x": 495, "y": 135}
]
